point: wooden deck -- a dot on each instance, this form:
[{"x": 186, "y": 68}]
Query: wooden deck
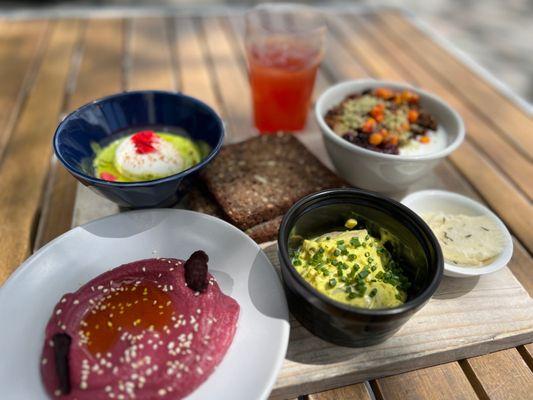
[{"x": 50, "y": 67}]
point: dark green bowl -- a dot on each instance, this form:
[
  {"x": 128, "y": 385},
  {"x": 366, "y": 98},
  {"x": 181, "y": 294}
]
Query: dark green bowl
[{"x": 414, "y": 244}]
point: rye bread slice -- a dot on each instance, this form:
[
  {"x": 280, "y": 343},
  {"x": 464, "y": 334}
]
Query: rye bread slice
[
  {"x": 259, "y": 179},
  {"x": 265, "y": 231},
  {"x": 199, "y": 199}
]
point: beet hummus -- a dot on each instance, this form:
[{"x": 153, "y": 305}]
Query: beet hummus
[{"x": 144, "y": 330}]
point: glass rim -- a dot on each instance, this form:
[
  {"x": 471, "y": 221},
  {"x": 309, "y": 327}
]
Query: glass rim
[{"x": 288, "y": 7}]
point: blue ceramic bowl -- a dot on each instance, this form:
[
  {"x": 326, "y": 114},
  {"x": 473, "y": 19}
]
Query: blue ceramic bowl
[{"x": 97, "y": 121}]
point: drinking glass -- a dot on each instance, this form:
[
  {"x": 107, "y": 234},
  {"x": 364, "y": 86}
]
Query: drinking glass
[{"x": 284, "y": 45}]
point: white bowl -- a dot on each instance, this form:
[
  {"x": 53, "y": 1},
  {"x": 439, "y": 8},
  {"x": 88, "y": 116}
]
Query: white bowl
[
  {"x": 453, "y": 203},
  {"x": 387, "y": 173}
]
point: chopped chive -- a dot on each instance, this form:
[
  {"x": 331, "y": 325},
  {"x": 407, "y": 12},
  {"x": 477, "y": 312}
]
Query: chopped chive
[
  {"x": 355, "y": 242},
  {"x": 373, "y": 292},
  {"x": 332, "y": 282}
]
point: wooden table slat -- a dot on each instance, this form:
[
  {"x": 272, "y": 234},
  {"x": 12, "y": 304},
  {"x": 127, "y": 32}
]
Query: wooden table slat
[
  {"x": 503, "y": 375},
  {"x": 21, "y": 50},
  {"x": 195, "y": 74},
  {"x": 149, "y": 55},
  {"x": 517, "y": 167},
  {"x": 527, "y": 354},
  {"x": 513, "y": 123},
  {"x": 501, "y": 195},
  {"x": 100, "y": 74},
  {"x": 358, "y": 391},
  {"x": 363, "y": 50},
  {"x": 24, "y": 167},
  {"x": 442, "y": 382},
  {"x": 230, "y": 79}
]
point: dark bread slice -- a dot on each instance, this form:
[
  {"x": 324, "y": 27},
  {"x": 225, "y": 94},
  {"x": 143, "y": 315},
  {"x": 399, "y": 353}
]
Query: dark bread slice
[
  {"x": 259, "y": 179},
  {"x": 265, "y": 231},
  {"x": 199, "y": 199}
]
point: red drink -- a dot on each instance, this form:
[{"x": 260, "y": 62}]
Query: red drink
[
  {"x": 282, "y": 76},
  {"x": 284, "y": 44}
]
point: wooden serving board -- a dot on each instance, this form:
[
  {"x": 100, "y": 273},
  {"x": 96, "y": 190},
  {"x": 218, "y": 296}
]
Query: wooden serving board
[{"x": 465, "y": 318}]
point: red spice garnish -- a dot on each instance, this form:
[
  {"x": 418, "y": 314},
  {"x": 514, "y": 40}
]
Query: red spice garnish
[
  {"x": 108, "y": 177},
  {"x": 144, "y": 141}
]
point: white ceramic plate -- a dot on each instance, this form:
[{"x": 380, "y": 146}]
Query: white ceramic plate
[
  {"x": 453, "y": 203},
  {"x": 242, "y": 270}
]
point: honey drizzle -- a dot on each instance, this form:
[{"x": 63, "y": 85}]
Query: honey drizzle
[{"x": 131, "y": 308}]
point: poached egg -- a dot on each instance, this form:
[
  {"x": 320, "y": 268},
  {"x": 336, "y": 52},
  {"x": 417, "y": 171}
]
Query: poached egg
[{"x": 145, "y": 155}]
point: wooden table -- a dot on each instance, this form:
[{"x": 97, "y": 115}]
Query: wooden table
[{"x": 50, "y": 67}]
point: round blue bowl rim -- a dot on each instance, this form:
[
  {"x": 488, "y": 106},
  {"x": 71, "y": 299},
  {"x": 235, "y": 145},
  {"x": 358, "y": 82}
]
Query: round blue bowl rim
[{"x": 169, "y": 178}]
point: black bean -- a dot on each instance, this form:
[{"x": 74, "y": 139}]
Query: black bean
[{"x": 427, "y": 121}]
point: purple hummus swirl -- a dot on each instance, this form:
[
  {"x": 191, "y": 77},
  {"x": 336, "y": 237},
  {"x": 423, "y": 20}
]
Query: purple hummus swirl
[{"x": 137, "y": 332}]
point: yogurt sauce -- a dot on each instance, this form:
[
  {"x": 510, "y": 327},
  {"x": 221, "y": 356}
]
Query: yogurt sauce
[{"x": 436, "y": 143}]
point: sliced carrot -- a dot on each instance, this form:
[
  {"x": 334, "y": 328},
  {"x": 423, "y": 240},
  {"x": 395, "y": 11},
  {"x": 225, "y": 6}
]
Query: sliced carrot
[
  {"x": 369, "y": 125},
  {"x": 412, "y": 116},
  {"x": 375, "y": 139},
  {"x": 393, "y": 139},
  {"x": 383, "y": 93},
  {"x": 425, "y": 139},
  {"x": 377, "y": 112}
]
